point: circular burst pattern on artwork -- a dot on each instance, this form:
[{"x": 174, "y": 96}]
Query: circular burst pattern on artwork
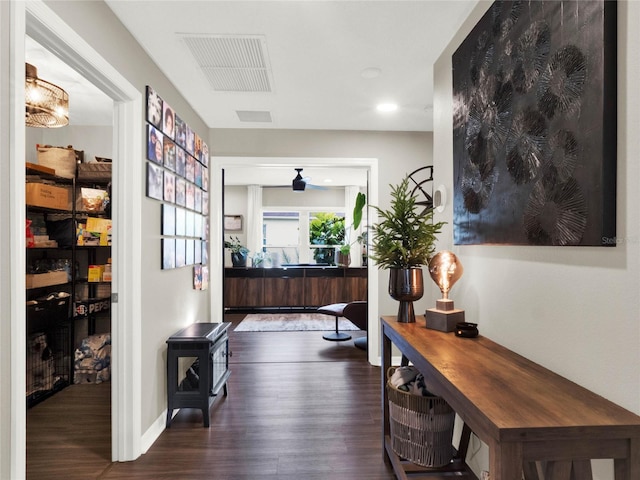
[
  {"x": 525, "y": 145},
  {"x": 531, "y": 55},
  {"x": 482, "y": 58},
  {"x": 502, "y": 22},
  {"x": 560, "y": 157},
  {"x": 562, "y": 83},
  {"x": 488, "y": 121},
  {"x": 476, "y": 186},
  {"x": 555, "y": 215}
]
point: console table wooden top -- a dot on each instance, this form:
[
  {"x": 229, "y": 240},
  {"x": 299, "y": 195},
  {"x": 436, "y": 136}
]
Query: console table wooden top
[{"x": 523, "y": 411}]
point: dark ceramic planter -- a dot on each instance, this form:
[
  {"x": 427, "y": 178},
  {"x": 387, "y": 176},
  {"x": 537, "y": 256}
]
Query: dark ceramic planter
[
  {"x": 406, "y": 285},
  {"x": 238, "y": 259}
]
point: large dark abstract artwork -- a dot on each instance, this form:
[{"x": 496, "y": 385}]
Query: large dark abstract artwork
[{"x": 534, "y": 138}]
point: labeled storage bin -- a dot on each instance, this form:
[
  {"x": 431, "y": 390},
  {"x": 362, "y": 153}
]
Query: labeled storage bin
[{"x": 421, "y": 427}]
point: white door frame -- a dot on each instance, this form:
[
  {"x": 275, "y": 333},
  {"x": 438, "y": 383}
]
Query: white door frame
[
  {"x": 41, "y": 23},
  {"x": 216, "y": 259}
]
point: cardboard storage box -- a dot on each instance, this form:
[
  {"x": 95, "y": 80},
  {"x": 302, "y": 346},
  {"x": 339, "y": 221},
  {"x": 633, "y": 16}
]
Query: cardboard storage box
[
  {"x": 48, "y": 196},
  {"x": 62, "y": 160},
  {"x": 36, "y": 280}
]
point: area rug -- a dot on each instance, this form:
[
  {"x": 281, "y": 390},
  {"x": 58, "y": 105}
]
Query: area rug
[{"x": 292, "y": 322}]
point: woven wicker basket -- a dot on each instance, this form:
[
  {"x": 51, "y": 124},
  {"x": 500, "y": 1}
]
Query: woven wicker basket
[{"x": 421, "y": 427}]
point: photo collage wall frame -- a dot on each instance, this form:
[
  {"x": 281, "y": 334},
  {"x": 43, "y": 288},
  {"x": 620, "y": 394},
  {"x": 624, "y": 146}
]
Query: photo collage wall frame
[{"x": 178, "y": 176}]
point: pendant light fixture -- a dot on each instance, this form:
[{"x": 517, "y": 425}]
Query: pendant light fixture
[{"x": 47, "y": 105}]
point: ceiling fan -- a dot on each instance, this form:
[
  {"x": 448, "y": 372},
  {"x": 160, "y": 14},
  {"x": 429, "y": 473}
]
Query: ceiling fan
[{"x": 299, "y": 183}]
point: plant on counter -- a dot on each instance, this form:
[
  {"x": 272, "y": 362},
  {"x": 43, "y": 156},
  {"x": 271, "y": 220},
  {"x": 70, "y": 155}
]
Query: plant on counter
[
  {"x": 235, "y": 245},
  {"x": 404, "y": 240},
  {"x": 260, "y": 259},
  {"x": 238, "y": 251}
]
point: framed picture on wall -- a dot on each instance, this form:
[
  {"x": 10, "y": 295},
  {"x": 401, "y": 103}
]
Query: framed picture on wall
[
  {"x": 181, "y": 161},
  {"x": 205, "y": 178},
  {"x": 197, "y": 251},
  {"x": 188, "y": 254},
  {"x": 205, "y": 155},
  {"x": 154, "y": 107},
  {"x": 190, "y": 140},
  {"x": 180, "y": 253},
  {"x": 197, "y": 200},
  {"x": 190, "y": 170},
  {"x": 181, "y": 221},
  {"x": 155, "y": 147},
  {"x": 181, "y": 192},
  {"x": 191, "y": 194},
  {"x": 168, "y": 122},
  {"x": 197, "y": 232},
  {"x": 168, "y": 253},
  {"x": 181, "y": 131},
  {"x": 169, "y": 154},
  {"x": 190, "y": 224},
  {"x": 205, "y": 253},
  {"x": 168, "y": 219},
  {"x": 154, "y": 181},
  {"x": 197, "y": 277},
  {"x": 205, "y": 203},
  {"x": 233, "y": 223},
  {"x": 169, "y": 187}
]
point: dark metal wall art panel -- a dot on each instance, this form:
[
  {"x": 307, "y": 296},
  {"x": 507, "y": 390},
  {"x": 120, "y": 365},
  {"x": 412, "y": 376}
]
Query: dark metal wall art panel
[{"x": 534, "y": 138}]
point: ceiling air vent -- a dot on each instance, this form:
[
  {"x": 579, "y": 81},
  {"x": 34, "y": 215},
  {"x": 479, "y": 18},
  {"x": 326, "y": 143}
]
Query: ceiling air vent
[
  {"x": 232, "y": 63},
  {"x": 254, "y": 116}
]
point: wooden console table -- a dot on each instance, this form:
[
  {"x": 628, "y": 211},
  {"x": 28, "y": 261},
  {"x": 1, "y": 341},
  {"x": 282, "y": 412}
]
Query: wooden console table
[{"x": 535, "y": 422}]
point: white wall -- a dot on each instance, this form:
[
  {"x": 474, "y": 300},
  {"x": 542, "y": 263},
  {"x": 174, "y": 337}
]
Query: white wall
[
  {"x": 574, "y": 310},
  {"x": 92, "y": 140}
]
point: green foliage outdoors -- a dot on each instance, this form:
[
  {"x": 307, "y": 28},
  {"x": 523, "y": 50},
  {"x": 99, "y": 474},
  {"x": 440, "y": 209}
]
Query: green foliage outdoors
[
  {"x": 326, "y": 229},
  {"x": 404, "y": 237}
]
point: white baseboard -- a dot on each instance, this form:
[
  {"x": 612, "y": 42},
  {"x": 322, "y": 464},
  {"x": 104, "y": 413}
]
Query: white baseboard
[{"x": 155, "y": 430}]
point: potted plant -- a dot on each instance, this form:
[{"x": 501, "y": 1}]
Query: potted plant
[
  {"x": 344, "y": 251},
  {"x": 362, "y": 240},
  {"x": 326, "y": 229},
  {"x": 404, "y": 240},
  {"x": 238, "y": 251}
]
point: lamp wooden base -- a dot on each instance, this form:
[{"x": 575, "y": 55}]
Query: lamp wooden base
[{"x": 443, "y": 320}]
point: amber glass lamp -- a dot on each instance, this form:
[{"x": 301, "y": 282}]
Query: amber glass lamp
[{"x": 445, "y": 270}]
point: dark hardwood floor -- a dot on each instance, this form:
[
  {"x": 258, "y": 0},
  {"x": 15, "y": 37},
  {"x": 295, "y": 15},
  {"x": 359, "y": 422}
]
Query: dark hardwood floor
[{"x": 299, "y": 407}]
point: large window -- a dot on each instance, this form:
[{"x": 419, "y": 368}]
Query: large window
[
  {"x": 302, "y": 236},
  {"x": 281, "y": 237}
]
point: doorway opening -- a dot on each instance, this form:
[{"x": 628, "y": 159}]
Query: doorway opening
[
  {"x": 45, "y": 27},
  {"x": 222, "y": 168}
]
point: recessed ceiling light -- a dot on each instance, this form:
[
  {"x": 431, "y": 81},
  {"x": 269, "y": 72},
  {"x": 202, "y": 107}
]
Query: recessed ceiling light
[
  {"x": 387, "y": 107},
  {"x": 371, "y": 72}
]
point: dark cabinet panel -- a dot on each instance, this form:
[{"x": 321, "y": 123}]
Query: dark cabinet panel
[
  {"x": 323, "y": 291},
  {"x": 243, "y": 292},
  {"x": 287, "y": 291}
]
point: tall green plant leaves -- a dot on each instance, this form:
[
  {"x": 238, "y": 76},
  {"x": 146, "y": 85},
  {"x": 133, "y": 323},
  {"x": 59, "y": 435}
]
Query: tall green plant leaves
[{"x": 404, "y": 237}]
